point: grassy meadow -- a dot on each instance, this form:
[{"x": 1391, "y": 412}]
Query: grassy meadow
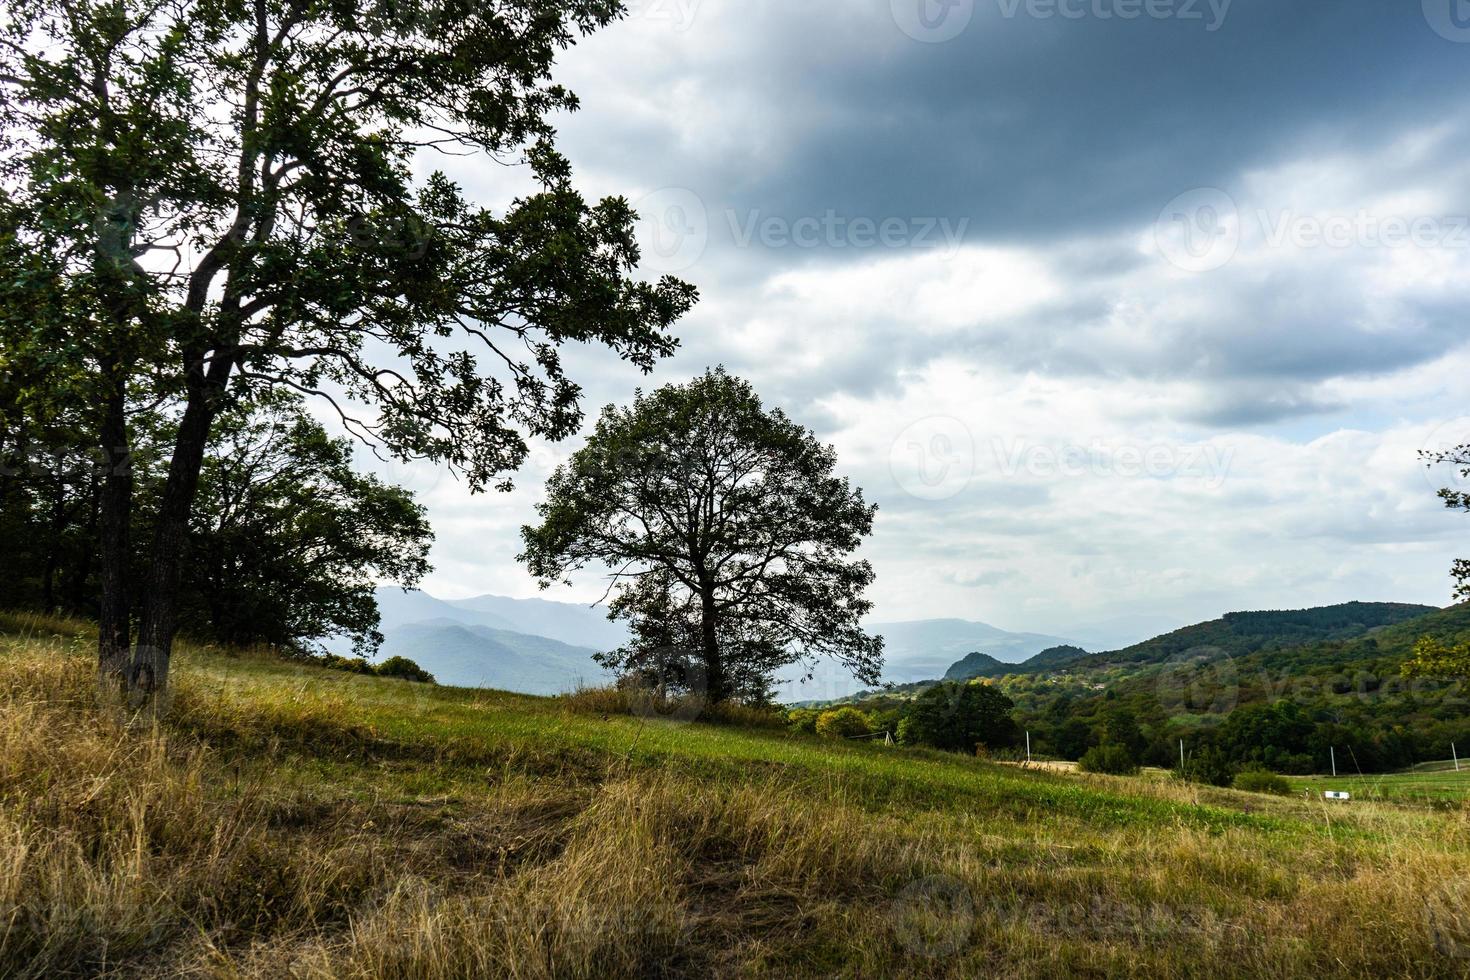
[{"x": 291, "y": 821}]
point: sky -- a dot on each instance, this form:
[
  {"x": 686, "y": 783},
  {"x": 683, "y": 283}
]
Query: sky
[{"x": 1126, "y": 313}]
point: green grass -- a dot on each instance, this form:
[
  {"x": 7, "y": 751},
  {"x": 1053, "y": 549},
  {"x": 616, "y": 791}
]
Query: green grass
[
  {"x": 284, "y": 820},
  {"x": 1429, "y": 784}
]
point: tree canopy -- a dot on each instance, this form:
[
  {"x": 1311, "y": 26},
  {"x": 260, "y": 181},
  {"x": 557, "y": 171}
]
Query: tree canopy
[
  {"x": 211, "y": 200},
  {"x": 726, "y": 533}
]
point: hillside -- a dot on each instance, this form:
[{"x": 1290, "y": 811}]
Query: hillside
[
  {"x": 1239, "y": 633},
  {"x": 1232, "y": 635},
  {"x": 478, "y": 656},
  {"x": 292, "y": 821}
]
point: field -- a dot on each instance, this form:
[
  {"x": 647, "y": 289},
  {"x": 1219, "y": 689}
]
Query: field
[
  {"x": 1431, "y": 784},
  {"x": 287, "y": 821}
]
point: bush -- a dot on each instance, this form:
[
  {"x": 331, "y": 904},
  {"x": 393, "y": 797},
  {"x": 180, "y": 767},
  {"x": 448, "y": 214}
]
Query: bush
[
  {"x": 1262, "y": 781},
  {"x": 1115, "y": 760},
  {"x": 803, "y": 720},
  {"x": 843, "y": 723},
  {"x": 404, "y": 668}
]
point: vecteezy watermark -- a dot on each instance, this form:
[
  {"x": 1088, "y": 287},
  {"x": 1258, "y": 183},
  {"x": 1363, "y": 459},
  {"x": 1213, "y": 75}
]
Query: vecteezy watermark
[
  {"x": 934, "y": 916},
  {"x": 936, "y": 21},
  {"x": 1202, "y": 230},
  {"x": 1207, "y": 462},
  {"x": 1363, "y": 230},
  {"x": 677, "y": 14},
  {"x": 832, "y": 230},
  {"x": 933, "y": 21},
  {"x": 934, "y": 458},
  {"x": 673, "y": 229},
  {"x": 1210, "y": 13},
  {"x": 1199, "y": 230},
  {"x": 1199, "y": 681},
  {"x": 1450, "y": 19}
]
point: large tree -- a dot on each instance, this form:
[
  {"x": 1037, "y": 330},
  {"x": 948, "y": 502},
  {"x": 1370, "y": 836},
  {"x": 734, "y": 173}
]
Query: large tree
[
  {"x": 723, "y": 526},
  {"x": 215, "y": 197}
]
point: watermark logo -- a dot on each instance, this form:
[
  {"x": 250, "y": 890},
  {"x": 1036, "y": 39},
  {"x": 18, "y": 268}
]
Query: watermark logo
[
  {"x": 1199, "y": 231},
  {"x": 672, "y": 231},
  {"x": 934, "y": 916},
  {"x": 1445, "y": 456},
  {"x": 934, "y": 458},
  {"x": 933, "y": 21},
  {"x": 832, "y": 230},
  {"x": 1208, "y": 463},
  {"x": 673, "y": 686},
  {"x": 1199, "y": 681},
  {"x": 1210, "y": 13},
  {"x": 1450, "y": 19},
  {"x": 678, "y": 15}
]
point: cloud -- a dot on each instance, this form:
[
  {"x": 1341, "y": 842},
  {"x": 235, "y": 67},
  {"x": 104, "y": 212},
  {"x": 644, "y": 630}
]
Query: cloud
[{"x": 1200, "y": 300}]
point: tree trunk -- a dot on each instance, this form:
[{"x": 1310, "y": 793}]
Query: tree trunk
[
  {"x": 714, "y": 670},
  {"x": 148, "y": 677},
  {"x": 115, "y": 516}
]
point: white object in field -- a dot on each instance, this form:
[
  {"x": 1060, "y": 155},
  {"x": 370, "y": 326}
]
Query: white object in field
[{"x": 1333, "y": 794}]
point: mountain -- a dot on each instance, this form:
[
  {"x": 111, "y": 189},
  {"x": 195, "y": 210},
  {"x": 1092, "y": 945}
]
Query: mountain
[
  {"x": 567, "y": 622},
  {"x": 1235, "y": 634},
  {"x": 923, "y": 649},
  {"x": 913, "y": 651},
  {"x": 983, "y": 665},
  {"x": 975, "y": 665},
  {"x": 467, "y": 655}
]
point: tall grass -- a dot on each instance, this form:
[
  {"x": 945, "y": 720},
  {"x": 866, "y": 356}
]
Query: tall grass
[{"x": 284, "y": 821}]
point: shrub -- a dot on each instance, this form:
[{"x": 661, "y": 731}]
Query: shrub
[
  {"x": 843, "y": 723},
  {"x": 803, "y": 720},
  {"x": 404, "y": 668},
  {"x": 1115, "y": 760},
  {"x": 1262, "y": 781}
]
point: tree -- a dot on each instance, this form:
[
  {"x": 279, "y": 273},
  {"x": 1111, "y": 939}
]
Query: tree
[
  {"x": 216, "y": 199},
  {"x": 960, "y": 718},
  {"x": 725, "y": 531},
  {"x": 1459, "y": 459},
  {"x": 287, "y": 542}
]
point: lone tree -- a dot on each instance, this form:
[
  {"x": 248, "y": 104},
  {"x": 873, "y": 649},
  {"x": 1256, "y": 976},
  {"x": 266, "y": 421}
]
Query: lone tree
[
  {"x": 723, "y": 527},
  {"x": 203, "y": 200},
  {"x": 959, "y": 718}
]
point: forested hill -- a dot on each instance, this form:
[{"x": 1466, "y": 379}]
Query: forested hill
[
  {"x": 1235, "y": 634},
  {"x": 1240, "y": 633}
]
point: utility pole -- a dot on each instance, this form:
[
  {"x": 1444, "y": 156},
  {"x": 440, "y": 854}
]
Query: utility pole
[
  {"x": 1181, "y": 756},
  {"x": 1456, "y": 755},
  {"x": 1333, "y": 750},
  {"x": 1028, "y": 748}
]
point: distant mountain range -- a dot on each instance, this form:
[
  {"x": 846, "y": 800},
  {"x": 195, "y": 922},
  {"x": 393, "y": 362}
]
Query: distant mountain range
[
  {"x": 536, "y": 646},
  {"x": 919, "y": 650}
]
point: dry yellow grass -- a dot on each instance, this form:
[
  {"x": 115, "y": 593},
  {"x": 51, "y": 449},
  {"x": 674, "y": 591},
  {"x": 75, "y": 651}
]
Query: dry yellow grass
[{"x": 289, "y": 822}]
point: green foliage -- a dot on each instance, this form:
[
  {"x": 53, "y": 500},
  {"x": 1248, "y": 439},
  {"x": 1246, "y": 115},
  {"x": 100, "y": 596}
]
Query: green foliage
[
  {"x": 844, "y": 722},
  {"x": 1208, "y": 764},
  {"x": 959, "y": 718},
  {"x": 1261, "y": 781},
  {"x": 731, "y": 533},
  {"x": 803, "y": 720},
  {"x": 1433, "y": 658},
  {"x": 1112, "y": 759}
]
